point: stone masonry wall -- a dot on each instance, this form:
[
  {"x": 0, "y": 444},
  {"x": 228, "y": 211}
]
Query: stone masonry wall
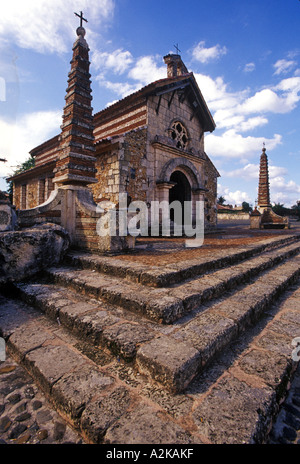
[
  {"x": 133, "y": 165},
  {"x": 33, "y": 193},
  {"x": 107, "y": 175},
  {"x": 123, "y": 168}
]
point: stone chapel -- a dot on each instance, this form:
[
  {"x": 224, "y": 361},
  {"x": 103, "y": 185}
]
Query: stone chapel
[{"x": 149, "y": 145}]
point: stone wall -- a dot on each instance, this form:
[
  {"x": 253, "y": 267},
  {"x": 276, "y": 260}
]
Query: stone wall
[
  {"x": 34, "y": 192},
  {"x": 133, "y": 165},
  {"x": 107, "y": 175},
  {"x": 122, "y": 167},
  {"x": 234, "y": 216}
]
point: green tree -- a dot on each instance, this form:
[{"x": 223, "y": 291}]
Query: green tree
[
  {"x": 279, "y": 209},
  {"x": 221, "y": 200},
  {"x": 295, "y": 209},
  {"x": 27, "y": 164},
  {"x": 246, "y": 207}
]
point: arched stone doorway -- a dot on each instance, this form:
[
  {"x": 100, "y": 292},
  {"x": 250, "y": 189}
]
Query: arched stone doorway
[{"x": 180, "y": 192}]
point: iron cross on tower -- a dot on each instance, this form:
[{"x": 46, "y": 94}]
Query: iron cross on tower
[
  {"x": 177, "y": 49},
  {"x": 81, "y": 18}
]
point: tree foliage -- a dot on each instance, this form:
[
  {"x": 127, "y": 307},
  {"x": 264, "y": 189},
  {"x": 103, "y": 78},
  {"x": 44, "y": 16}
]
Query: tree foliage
[{"x": 246, "y": 207}]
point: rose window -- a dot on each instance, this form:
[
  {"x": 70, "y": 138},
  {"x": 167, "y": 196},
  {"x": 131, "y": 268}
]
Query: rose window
[{"x": 179, "y": 134}]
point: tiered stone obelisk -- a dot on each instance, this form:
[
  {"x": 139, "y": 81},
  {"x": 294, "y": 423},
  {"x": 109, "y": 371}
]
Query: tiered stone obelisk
[
  {"x": 76, "y": 163},
  {"x": 71, "y": 204},
  {"x": 264, "y": 217},
  {"x": 75, "y": 167},
  {"x": 263, "y": 184}
]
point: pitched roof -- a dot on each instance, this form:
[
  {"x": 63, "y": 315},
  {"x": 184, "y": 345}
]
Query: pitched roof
[{"x": 186, "y": 82}]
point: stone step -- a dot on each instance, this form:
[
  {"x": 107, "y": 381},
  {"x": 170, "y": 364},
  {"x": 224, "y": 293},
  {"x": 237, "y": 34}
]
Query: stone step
[
  {"x": 96, "y": 322},
  {"x": 172, "y": 273},
  {"x": 88, "y": 394},
  {"x": 166, "y": 305},
  {"x": 234, "y": 400},
  {"x": 200, "y": 335},
  {"x": 174, "y": 359}
]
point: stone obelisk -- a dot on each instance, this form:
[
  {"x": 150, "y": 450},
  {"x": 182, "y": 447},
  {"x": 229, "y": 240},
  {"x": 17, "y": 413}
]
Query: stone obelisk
[
  {"x": 263, "y": 185},
  {"x": 76, "y": 163}
]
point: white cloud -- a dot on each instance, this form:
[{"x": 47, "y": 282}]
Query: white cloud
[
  {"x": 249, "y": 67},
  {"x": 230, "y": 144},
  {"x": 17, "y": 139},
  {"x": 146, "y": 70},
  {"x": 122, "y": 89},
  {"x": 233, "y": 198},
  {"x": 284, "y": 192},
  {"x": 267, "y": 100},
  {"x": 203, "y": 55},
  {"x": 284, "y": 66},
  {"x": 118, "y": 61},
  {"x": 251, "y": 171},
  {"x": 48, "y": 25}
]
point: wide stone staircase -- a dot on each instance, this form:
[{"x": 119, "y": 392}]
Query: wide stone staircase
[{"x": 195, "y": 351}]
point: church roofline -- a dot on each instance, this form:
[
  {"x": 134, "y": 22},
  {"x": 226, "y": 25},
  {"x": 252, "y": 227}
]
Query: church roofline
[
  {"x": 32, "y": 172},
  {"x": 50, "y": 143},
  {"x": 154, "y": 88}
]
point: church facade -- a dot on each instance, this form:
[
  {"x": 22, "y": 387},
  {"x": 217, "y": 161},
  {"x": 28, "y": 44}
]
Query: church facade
[{"x": 149, "y": 145}]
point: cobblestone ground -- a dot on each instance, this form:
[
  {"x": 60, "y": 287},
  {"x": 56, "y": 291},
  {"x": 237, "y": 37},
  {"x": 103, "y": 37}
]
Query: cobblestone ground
[
  {"x": 286, "y": 430},
  {"x": 25, "y": 414}
]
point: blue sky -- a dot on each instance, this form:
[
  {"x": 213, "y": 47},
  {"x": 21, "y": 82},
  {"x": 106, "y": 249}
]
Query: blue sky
[{"x": 245, "y": 56}]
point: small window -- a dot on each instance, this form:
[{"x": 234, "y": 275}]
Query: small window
[
  {"x": 23, "y": 196},
  {"x": 179, "y": 135},
  {"x": 42, "y": 189}
]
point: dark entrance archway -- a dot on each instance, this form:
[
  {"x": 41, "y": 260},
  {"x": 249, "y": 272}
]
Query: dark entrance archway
[{"x": 180, "y": 192}]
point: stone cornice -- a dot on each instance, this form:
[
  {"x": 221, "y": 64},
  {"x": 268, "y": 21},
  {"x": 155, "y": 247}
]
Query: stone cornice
[{"x": 158, "y": 143}]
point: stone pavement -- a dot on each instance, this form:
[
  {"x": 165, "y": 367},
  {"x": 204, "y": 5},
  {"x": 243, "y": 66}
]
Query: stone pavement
[
  {"x": 286, "y": 429},
  {"x": 26, "y": 416}
]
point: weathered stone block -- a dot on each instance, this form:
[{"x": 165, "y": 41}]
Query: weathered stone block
[
  {"x": 123, "y": 338},
  {"x": 27, "y": 338},
  {"x": 8, "y": 217},
  {"x": 103, "y": 412},
  {"x": 216, "y": 417},
  {"x": 73, "y": 391},
  {"x": 26, "y": 252},
  {"x": 144, "y": 426},
  {"x": 48, "y": 364},
  {"x": 169, "y": 361}
]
